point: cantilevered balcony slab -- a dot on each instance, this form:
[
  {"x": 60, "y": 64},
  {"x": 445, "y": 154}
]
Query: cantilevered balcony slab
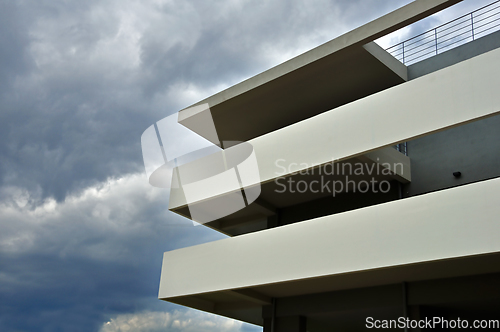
[
  {"x": 441, "y": 234},
  {"x": 326, "y": 183},
  {"x": 345, "y": 69},
  {"x": 450, "y": 97}
]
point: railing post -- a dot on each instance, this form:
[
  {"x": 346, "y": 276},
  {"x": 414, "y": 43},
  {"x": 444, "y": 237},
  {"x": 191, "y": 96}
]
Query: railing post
[
  {"x": 436, "y": 39},
  {"x": 472, "y": 24},
  {"x": 415, "y": 48}
]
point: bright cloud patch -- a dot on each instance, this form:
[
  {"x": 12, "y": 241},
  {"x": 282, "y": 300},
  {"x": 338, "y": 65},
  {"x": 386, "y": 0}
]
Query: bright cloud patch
[
  {"x": 101, "y": 222},
  {"x": 185, "y": 321}
]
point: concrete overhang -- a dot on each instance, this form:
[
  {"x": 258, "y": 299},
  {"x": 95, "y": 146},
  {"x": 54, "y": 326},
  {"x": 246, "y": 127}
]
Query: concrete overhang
[
  {"x": 442, "y": 234},
  {"x": 450, "y": 97},
  {"x": 338, "y": 72},
  {"x": 386, "y": 164}
]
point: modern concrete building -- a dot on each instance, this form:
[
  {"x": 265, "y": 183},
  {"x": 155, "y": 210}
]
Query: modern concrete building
[{"x": 343, "y": 225}]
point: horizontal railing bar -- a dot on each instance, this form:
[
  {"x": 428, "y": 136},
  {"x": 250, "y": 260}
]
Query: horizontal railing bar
[
  {"x": 420, "y": 56},
  {"x": 430, "y": 47},
  {"x": 456, "y": 42},
  {"x": 485, "y": 18},
  {"x": 406, "y": 49},
  {"x": 490, "y": 10},
  {"x": 448, "y": 28},
  {"x": 418, "y": 46},
  {"x": 452, "y": 32},
  {"x": 423, "y": 49},
  {"x": 432, "y": 35},
  {"x": 444, "y": 41},
  {"x": 412, "y": 42},
  {"x": 489, "y": 28},
  {"x": 485, "y": 24},
  {"x": 447, "y": 23},
  {"x": 414, "y": 37}
]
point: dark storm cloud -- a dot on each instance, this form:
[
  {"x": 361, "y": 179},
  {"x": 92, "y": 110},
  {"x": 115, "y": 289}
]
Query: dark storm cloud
[
  {"x": 81, "y": 232},
  {"x": 227, "y": 41},
  {"x": 13, "y": 42},
  {"x": 68, "y": 266},
  {"x": 86, "y": 78},
  {"x": 76, "y": 115},
  {"x": 54, "y": 296}
]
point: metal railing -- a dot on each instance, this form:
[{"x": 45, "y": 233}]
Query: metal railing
[{"x": 459, "y": 31}]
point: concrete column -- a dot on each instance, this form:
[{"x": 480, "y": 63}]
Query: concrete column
[
  {"x": 291, "y": 324},
  {"x": 286, "y": 324},
  {"x": 414, "y": 314},
  {"x": 268, "y": 323}
]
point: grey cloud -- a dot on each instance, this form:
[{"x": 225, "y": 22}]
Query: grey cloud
[
  {"x": 240, "y": 39},
  {"x": 69, "y": 265},
  {"x": 14, "y": 59}
]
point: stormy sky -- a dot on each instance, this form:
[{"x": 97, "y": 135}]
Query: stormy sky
[{"x": 82, "y": 233}]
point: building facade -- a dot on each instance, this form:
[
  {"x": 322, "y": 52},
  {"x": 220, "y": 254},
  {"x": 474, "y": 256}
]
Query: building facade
[{"x": 329, "y": 224}]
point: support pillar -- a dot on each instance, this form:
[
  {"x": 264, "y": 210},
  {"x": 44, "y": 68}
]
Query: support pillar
[{"x": 286, "y": 324}]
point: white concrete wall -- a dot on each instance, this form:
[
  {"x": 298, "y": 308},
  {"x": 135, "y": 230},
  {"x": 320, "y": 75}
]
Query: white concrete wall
[
  {"x": 452, "y": 96},
  {"x": 450, "y": 223}
]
